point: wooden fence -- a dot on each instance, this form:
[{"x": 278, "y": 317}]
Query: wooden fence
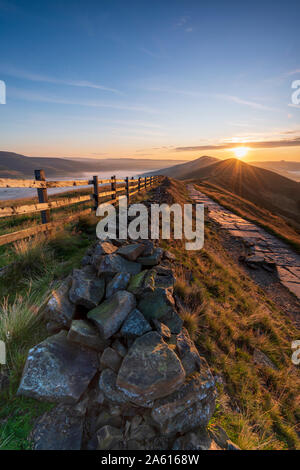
[{"x": 104, "y": 190}]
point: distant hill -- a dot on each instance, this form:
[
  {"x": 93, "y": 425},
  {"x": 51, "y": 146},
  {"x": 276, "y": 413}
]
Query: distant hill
[
  {"x": 262, "y": 187},
  {"x": 285, "y": 168},
  {"x": 183, "y": 170},
  {"x": 13, "y": 165}
]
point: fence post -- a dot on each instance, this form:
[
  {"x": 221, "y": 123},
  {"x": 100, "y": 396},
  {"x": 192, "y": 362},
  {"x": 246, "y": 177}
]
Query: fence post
[
  {"x": 42, "y": 195},
  {"x": 127, "y": 188},
  {"x": 96, "y": 192},
  {"x": 139, "y": 184},
  {"x": 114, "y": 186},
  {"x": 145, "y": 182}
]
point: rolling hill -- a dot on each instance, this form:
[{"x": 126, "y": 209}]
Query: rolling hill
[
  {"x": 262, "y": 187},
  {"x": 13, "y": 165},
  {"x": 183, "y": 170}
]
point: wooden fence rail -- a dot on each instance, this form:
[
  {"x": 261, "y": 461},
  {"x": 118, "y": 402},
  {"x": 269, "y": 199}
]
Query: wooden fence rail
[{"x": 102, "y": 188}]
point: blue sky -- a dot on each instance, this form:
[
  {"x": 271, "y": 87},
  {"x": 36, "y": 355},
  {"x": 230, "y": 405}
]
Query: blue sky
[{"x": 138, "y": 78}]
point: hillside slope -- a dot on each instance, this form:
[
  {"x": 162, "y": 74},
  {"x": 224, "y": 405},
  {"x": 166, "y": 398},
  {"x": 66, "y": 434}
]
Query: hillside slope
[
  {"x": 183, "y": 170},
  {"x": 262, "y": 187},
  {"x": 13, "y": 165}
]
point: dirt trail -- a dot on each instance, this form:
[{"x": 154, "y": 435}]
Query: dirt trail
[{"x": 263, "y": 247}]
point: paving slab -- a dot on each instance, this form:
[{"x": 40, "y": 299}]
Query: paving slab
[{"x": 261, "y": 242}]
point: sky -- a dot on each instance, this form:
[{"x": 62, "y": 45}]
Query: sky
[{"x": 150, "y": 79}]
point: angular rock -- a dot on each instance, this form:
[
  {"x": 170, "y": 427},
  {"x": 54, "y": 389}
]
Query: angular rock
[
  {"x": 148, "y": 247},
  {"x": 110, "y": 359},
  {"x": 109, "y": 316},
  {"x": 57, "y": 370},
  {"x": 102, "y": 249},
  {"x": 82, "y": 332},
  {"x": 107, "y": 385},
  {"x": 162, "y": 329},
  {"x": 188, "y": 352},
  {"x": 262, "y": 359},
  {"x": 150, "y": 370},
  {"x": 59, "y": 309},
  {"x": 105, "y": 418},
  {"x": 119, "y": 347},
  {"x": 142, "y": 432},
  {"x": 142, "y": 283},
  {"x": 109, "y": 438},
  {"x": 164, "y": 277},
  {"x": 87, "y": 289},
  {"x": 173, "y": 321},
  {"x": 112, "y": 264},
  {"x": 135, "y": 325},
  {"x": 156, "y": 304},
  {"x": 153, "y": 259},
  {"x": 119, "y": 282},
  {"x": 198, "y": 440},
  {"x": 131, "y": 252},
  {"x": 188, "y": 407},
  {"x": 59, "y": 429}
]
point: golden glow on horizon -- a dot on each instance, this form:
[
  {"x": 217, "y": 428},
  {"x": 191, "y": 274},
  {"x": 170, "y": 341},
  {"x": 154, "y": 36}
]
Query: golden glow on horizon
[{"x": 241, "y": 152}]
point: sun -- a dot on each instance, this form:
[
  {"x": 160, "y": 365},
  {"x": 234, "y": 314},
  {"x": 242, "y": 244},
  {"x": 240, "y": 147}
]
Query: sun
[{"x": 240, "y": 152}]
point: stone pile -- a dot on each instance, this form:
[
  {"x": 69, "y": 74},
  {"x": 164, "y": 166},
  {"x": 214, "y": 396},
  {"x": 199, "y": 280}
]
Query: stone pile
[{"x": 121, "y": 368}]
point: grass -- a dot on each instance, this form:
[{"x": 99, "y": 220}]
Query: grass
[
  {"x": 34, "y": 267},
  {"x": 257, "y": 406}
]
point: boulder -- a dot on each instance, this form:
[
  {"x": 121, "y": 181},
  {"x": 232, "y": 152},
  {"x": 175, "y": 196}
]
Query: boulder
[
  {"x": 188, "y": 407},
  {"x": 59, "y": 309},
  {"x": 173, "y": 321},
  {"x": 153, "y": 259},
  {"x": 119, "y": 347},
  {"x": 109, "y": 438},
  {"x": 57, "y": 370},
  {"x": 105, "y": 418},
  {"x": 142, "y": 283},
  {"x": 142, "y": 432},
  {"x": 112, "y": 264},
  {"x": 59, "y": 429},
  {"x": 119, "y": 282},
  {"x": 110, "y": 359},
  {"x": 156, "y": 304},
  {"x": 87, "y": 289},
  {"x": 109, "y": 316},
  {"x": 107, "y": 385},
  {"x": 102, "y": 249},
  {"x": 188, "y": 352},
  {"x": 135, "y": 325},
  {"x": 162, "y": 329},
  {"x": 150, "y": 370},
  {"x": 196, "y": 440},
  {"x": 82, "y": 332},
  {"x": 131, "y": 252}
]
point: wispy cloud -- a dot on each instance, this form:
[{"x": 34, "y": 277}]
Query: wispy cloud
[
  {"x": 184, "y": 23},
  {"x": 13, "y": 72},
  {"x": 48, "y": 98},
  {"x": 148, "y": 52},
  {"x": 260, "y": 144},
  {"x": 221, "y": 96}
]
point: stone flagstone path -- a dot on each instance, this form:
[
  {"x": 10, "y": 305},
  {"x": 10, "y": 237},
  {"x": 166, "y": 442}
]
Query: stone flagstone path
[{"x": 263, "y": 245}]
